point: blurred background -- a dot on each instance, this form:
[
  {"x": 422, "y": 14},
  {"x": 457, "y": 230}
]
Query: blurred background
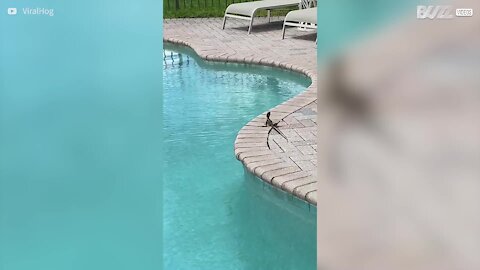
[
  {"x": 80, "y": 135},
  {"x": 399, "y": 164}
]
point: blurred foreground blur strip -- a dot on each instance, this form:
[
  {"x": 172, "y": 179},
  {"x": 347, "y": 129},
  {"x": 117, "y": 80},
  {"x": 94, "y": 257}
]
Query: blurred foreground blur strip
[{"x": 399, "y": 148}]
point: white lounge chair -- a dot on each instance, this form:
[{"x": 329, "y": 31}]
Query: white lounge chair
[
  {"x": 247, "y": 10},
  {"x": 306, "y": 18}
]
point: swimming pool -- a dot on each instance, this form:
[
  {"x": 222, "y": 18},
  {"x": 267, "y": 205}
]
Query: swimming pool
[{"x": 216, "y": 216}]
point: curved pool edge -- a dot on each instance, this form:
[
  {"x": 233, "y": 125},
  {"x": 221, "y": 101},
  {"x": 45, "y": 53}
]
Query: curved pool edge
[{"x": 251, "y": 144}]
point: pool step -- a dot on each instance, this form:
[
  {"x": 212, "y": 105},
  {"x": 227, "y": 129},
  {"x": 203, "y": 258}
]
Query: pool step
[{"x": 174, "y": 59}]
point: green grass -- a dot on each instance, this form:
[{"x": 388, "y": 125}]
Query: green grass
[{"x": 203, "y": 8}]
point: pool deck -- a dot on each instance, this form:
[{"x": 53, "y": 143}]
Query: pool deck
[{"x": 289, "y": 164}]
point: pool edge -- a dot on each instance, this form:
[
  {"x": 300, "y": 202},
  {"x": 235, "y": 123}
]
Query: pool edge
[{"x": 256, "y": 159}]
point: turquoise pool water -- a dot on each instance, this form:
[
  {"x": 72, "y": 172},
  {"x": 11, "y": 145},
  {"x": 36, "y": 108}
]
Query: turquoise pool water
[{"x": 216, "y": 216}]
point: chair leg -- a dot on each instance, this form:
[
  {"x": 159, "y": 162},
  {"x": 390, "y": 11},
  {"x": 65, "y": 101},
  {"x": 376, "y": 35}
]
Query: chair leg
[
  {"x": 224, "y": 21},
  {"x": 268, "y": 15},
  {"x": 250, "y": 26},
  {"x": 283, "y": 32}
]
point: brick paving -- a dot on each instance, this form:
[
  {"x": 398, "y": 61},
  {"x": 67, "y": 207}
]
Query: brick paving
[{"x": 287, "y": 164}]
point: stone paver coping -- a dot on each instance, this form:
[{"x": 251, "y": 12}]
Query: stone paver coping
[{"x": 278, "y": 167}]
